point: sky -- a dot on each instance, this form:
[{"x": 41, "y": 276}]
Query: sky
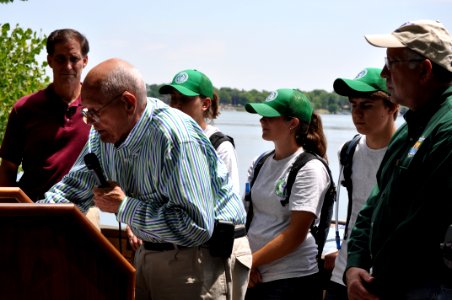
[{"x": 243, "y": 44}]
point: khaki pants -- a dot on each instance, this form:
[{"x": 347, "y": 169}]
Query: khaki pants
[{"x": 192, "y": 273}]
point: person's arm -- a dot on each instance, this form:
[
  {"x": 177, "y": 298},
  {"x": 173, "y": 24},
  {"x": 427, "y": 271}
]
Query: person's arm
[
  {"x": 357, "y": 280},
  {"x": 356, "y": 275},
  {"x": 8, "y": 173},
  {"x": 330, "y": 260},
  {"x": 181, "y": 209},
  {"x": 11, "y": 150},
  {"x": 287, "y": 241},
  {"x": 76, "y": 187},
  {"x": 283, "y": 244},
  {"x": 134, "y": 241},
  {"x": 358, "y": 243},
  {"x": 226, "y": 152}
]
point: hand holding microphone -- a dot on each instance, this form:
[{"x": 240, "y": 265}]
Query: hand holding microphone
[
  {"x": 108, "y": 200},
  {"x": 105, "y": 201}
]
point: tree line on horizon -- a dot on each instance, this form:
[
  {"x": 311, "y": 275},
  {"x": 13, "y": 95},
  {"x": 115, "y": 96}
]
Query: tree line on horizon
[{"x": 321, "y": 100}]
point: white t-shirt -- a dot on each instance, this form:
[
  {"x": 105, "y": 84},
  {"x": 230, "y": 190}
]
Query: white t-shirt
[
  {"x": 227, "y": 153},
  {"x": 271, "y": 218},
  {"x": 364, "y": 169}
]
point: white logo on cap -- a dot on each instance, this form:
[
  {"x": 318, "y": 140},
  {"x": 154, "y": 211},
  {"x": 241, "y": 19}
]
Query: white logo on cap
[
  {"x": 181, "y": 77},
  {"x": 272, "y": 96},
  {"x": 361, "y": 74}
]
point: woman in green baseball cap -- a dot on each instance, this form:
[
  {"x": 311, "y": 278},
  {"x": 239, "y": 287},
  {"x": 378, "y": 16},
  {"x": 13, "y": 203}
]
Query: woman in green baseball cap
[{"x": 284, "y": 250}]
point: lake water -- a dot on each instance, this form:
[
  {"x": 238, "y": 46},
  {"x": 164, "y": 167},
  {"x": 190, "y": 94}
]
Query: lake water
[{"x": 246, "y": 130}]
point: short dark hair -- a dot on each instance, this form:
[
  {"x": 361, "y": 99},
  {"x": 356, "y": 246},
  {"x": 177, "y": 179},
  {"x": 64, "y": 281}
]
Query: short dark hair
[{"x": 64, "y": 35}]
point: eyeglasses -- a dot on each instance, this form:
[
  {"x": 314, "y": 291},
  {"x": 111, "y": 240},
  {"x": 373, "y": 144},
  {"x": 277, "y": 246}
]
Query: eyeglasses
[
  {"x": 390, "y": 63},
  {"x": 94, "y": 115}
]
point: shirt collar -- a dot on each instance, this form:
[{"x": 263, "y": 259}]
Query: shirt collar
[{"x": 140, "y": 131}]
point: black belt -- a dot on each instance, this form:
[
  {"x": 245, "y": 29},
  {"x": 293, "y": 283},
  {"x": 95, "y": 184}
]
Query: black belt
[{"x": 239, "y": 231}]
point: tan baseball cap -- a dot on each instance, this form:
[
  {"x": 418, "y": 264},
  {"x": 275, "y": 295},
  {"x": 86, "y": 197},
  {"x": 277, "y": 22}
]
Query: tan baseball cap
[{"x": 426, "y": 37}]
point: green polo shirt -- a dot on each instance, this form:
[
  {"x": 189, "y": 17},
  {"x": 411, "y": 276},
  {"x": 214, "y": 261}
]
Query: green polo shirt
[{"x": 399, "y": 230}]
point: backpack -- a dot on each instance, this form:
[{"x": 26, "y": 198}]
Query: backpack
[
  {"x": 346, "y": 160},
  {"x": 219, "y": 137},
  {"x": 320, "y": 231}
]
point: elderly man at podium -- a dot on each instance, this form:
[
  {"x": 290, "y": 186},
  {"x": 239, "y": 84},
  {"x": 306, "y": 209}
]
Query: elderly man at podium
[{"x": 165, "y": 181}]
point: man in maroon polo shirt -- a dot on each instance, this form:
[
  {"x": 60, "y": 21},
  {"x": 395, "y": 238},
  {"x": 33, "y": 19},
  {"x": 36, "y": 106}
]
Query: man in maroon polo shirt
[{"x": 45, "y": 131}]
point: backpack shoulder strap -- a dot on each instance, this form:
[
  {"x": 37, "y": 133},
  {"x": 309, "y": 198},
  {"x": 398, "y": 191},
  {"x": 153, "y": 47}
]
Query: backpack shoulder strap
[
  {"x": 299, "y": 162},
  {"x": 257, "y": 167},
  {"x": 219, "y": 137},
  {"x": 346, "y": 157},
  {"x": 320, "y": 232},
  {"x": 346, "y": 160},
  {"x": 259, "y": 163}
]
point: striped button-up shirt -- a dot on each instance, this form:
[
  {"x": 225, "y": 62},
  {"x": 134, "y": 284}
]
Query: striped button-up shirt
[{"x": 175, "y": 184}]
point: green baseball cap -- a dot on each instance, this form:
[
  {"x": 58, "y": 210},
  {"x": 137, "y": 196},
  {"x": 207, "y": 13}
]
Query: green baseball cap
[
  {"x": 283, "y": 103},
  {"x": 367, "y": 81},
  {"x": 189, "y": 83}
]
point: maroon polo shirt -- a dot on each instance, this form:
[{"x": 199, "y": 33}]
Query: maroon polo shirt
[{"x": 46, "y": 136}]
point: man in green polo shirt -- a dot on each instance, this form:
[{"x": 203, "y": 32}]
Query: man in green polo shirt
[{"x": 394, "y": 249}]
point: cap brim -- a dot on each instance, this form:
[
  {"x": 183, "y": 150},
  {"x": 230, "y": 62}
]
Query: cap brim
[
  {"x": 347, "y": 87},
  {"x": 262, "y": 109},
  {"x": 168, "y": 89},
  {"x": 384, "y": 41}
]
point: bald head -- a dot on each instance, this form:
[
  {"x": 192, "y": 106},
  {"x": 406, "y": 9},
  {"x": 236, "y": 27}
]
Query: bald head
[
  {"x": 114, "y": 95},
  {"x": 114, "y": 76}
]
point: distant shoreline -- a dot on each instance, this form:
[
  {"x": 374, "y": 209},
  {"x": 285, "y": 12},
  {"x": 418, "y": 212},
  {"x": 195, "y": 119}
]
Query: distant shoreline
[{"x": 228, "y": 107}]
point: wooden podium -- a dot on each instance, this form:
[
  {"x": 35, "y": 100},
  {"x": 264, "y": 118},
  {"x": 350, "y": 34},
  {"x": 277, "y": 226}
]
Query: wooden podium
[
  {"x": 13, "y": 195},
  {"x": 53, "y": 252}
]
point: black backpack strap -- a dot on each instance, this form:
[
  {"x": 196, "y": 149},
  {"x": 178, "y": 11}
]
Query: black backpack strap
[
  {"x": 299, "y": 162},
  {"x": 320, "y": 232},
  {"x": 346, "y": 160},
  {"x": 326, "y": 214},
  {"x": 219, "y": 137},
  {"x": 257, "y": 167}
]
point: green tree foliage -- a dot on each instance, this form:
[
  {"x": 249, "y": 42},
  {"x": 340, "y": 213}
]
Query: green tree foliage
[
  {"x": 330, "y": 102},
  {"x": 20, "y": 72},
  {"x": 320, "y": 99}
]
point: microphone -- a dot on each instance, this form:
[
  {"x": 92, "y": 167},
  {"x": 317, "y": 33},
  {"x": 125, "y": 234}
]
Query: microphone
[{"x": 92, "y": 163}]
